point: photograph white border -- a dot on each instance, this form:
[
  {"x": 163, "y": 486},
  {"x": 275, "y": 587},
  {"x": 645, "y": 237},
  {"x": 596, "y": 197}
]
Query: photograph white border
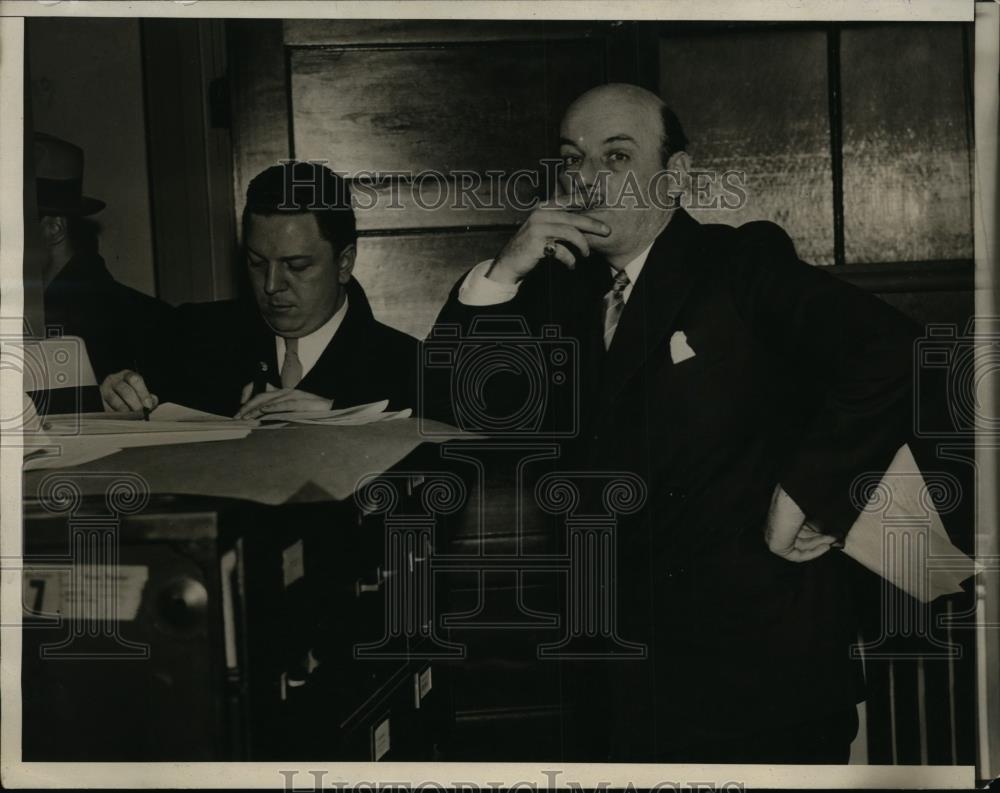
[{"x": 15, "y": 774}]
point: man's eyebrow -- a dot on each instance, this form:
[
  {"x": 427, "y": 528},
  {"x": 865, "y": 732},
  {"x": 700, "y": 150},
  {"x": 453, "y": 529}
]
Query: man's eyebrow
[
  {"x": 620, "y": 138},
  {"x": 291, "y": 258}
]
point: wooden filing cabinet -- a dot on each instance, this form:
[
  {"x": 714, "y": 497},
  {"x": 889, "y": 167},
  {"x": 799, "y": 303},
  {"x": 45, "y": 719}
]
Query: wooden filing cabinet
[
  {"x": 232, "y": 640},
  {"x": 153, "y": 681}
]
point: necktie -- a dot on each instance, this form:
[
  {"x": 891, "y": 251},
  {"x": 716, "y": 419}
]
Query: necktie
[
  {"x": 291, "y": 367},
  {"x": 614, "y": 304}
]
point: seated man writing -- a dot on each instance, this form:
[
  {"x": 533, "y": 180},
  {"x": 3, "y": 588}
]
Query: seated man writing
[{"x": 308, "y": 340}]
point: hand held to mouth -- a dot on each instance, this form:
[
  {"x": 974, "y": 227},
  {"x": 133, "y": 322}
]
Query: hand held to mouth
[{"x": 549, "y": 232}]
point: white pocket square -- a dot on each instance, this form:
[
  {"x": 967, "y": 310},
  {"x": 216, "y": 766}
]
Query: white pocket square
[{"x": 680, "y": 350}]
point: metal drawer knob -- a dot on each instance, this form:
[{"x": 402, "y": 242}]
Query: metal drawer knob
[{"x": 183, "y": 602}]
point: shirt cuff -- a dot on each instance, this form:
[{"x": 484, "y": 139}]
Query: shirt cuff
[{"x": 478, "y": 290}]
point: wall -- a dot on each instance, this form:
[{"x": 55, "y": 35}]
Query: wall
[{"x": 86, "y": 87}]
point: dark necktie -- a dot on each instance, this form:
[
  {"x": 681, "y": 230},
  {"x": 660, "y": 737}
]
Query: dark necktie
[
  {"x": 614, "y": 304},
  {"x": 291, "y": 367}
]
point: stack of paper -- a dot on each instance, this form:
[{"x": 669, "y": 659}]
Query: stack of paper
[
  {"x": 42, "y": 450},
  {"x": 71, "y": 439},
  {"x": 351, "y": 416},
  {"x": 170, "y": 411},
  {"x": 65, "y": 452}
]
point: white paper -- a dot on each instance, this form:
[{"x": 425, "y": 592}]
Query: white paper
[
  {"x": 171, "y": 411},
  {"x": 69, "y": 440},
  {"x": 371, "y": 408},
  {"x": 353, "y": 416},
  {"x": 90, "y": 436},
  {"x": 358, "y": 419},
  {"x": 901, "y": 537},
  {"x": 68, "y": 452},
  {"x": 84, "y": 591}
]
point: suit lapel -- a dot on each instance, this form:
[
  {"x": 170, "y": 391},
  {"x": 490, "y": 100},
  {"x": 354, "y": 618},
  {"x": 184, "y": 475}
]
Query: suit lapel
[
  {"x": 324, "y": 377},
  {"x": 658, "y": 295},
  {"x": 339, "y": 359}
]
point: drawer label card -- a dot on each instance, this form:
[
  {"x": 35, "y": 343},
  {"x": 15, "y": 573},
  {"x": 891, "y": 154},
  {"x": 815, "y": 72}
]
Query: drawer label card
[
  {"x": 381, "y": 741},
  {"x": 293, "y": 562},
  {"x": 85, "y": 591},
  {"x": 425, "y": 682}
]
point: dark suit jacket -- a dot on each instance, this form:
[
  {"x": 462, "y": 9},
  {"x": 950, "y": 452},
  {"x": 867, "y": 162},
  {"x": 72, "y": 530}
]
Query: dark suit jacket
[
  {"x": 114, "y": 321},
  {"x": 797, "y": 378},
  {"x": 214, "y": 349}
]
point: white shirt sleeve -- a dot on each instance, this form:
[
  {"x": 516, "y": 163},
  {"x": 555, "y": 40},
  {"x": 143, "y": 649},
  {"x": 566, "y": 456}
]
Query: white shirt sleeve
[{"x": 478, "y": 290}]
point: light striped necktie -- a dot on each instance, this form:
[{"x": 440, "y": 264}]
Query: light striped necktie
[
  {"x": 614, "y": 304},
  {"x": 291, "y": 367}
]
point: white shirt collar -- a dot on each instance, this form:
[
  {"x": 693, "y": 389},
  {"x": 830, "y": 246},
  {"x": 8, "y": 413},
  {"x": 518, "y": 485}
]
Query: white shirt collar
[
  {"x": 632, "y": 270},
  {"x": 311, "y": 346}
]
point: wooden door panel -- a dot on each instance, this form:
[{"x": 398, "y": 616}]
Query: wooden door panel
[
  {"x": 479, "y": 109},
  {"x": 408, "y": 277},
  {"x": 414, "y": 110},
  {"x": 474, "y": 200},
  {"x": 395, "y": 32},
  {"x": 260, "y": 103}
]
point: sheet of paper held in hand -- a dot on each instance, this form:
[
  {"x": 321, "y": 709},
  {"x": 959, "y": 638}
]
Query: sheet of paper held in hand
[{"x": 900, "y": 536}]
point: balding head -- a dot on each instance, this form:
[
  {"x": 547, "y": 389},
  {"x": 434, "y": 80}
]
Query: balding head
[
  {"x": 616, "y": 149},
  {"x": 617, "y": 99}
]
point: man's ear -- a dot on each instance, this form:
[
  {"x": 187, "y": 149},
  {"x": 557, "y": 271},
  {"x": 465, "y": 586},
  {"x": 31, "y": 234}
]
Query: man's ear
[
  {"x": 54, "y": 229},
  {"x": 345, "y": 263},
  {"x": 679, "y": 181}
]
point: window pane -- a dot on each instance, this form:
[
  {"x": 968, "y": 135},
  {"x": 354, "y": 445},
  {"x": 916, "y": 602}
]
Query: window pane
[
  {"x": 906, "y": 151},
  {"x": 757, "y": 102}
]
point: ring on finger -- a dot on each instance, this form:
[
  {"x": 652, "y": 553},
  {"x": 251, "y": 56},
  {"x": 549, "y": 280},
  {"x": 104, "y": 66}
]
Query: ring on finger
[{"x": 549, "y": 250}]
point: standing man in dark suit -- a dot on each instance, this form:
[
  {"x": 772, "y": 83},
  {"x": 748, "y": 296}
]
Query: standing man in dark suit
[
  {"x": 307, "y": 341},
  {"x": 747, "y": 390},
  {"x": 81, "y": 297}
]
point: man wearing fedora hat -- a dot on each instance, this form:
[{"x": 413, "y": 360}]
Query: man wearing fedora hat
[{"x": 81, "y": 297}]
